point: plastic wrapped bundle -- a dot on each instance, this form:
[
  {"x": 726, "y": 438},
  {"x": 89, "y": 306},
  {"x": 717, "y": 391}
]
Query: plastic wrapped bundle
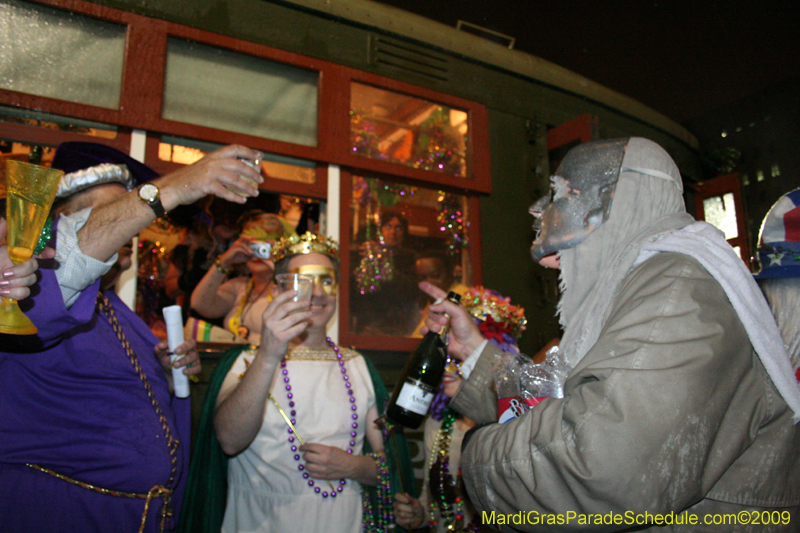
[{"x": 521, "y": 383}]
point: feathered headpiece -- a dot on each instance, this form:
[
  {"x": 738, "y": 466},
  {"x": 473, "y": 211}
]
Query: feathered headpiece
[{"x": 495, "y": 311}]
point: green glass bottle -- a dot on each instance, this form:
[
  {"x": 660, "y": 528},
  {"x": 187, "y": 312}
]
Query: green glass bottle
[{"x": 421, "y": 377}]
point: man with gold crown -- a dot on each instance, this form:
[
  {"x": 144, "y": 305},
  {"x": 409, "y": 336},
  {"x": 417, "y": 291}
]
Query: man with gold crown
[{"x": 291, "y": 423}]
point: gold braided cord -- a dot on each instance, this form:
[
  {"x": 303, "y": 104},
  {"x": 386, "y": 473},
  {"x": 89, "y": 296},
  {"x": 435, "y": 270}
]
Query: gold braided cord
[
  {"x": 157, "y": 491},
  {"x": 172, "y": 443},
  {"x": 104, "y": 304}
]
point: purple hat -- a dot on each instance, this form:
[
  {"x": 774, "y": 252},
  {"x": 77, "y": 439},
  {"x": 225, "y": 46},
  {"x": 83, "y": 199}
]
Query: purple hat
[
  {"x": 779, "y": 239},
  {"x": 86, "y": 165}
]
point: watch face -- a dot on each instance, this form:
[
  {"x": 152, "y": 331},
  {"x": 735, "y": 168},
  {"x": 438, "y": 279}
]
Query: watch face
[{"x": 148, "y": 192}]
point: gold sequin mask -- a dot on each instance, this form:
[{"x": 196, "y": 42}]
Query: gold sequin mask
[{"x": 324, "y": 277}]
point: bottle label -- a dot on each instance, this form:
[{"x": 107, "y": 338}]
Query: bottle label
[
  {"x": 511, "y": 408},
  {"x": 415, "y": 397}
]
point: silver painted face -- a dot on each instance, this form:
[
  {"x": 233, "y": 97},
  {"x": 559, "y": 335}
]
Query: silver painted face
[{"x": 580, "y": 197}]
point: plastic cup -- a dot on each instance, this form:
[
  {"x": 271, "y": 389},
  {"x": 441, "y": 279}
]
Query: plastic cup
[{"x": 292, "y": 281}]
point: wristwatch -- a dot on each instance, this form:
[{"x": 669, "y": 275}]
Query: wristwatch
[{"x": 148, "y": 193}]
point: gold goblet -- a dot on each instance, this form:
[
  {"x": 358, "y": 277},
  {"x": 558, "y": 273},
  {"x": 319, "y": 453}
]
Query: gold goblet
[{"x": 30, "y": 191}]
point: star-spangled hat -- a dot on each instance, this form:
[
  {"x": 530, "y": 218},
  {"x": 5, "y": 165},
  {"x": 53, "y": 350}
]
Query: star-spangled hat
[{"x": 779, "y": 239}]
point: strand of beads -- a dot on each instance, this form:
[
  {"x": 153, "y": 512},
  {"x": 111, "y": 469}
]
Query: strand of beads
[
  {"x": 439, "y": 462},
  {"x": 381, "y": 519},
  {"x": 445, "y": 495},
  {"x": 293, "y": 414}
]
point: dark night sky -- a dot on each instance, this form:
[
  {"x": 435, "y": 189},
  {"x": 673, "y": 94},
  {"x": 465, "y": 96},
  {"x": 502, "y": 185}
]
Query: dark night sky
[{"x": 681, "y": 58}]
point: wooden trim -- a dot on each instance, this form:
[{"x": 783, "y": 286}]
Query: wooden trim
[
  {"x": 48, "y": 137},
  {"x": 413, "y": 176},
  {"x": 334, "y": 113},
  {"x": 479, "y": 152},
  {"x": 345, "y": 224},
  {"x": 60, "y": 107},
  {"x": 143, "y": 74},
  {"x": 213, "y": 135}
]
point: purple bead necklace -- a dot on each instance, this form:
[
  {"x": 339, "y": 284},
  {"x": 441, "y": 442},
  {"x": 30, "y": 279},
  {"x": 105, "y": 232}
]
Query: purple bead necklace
[{"x": 293, "y": 414}]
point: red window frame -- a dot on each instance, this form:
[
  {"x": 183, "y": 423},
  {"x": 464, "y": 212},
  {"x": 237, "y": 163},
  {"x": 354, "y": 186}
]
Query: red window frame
[{"x": 140, "y": 108}]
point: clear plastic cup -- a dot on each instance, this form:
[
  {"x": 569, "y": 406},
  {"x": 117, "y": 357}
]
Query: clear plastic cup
[{"x": 302, "y": 283}]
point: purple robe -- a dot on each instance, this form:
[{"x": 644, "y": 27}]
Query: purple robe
[{"x": 72, "y": 402}]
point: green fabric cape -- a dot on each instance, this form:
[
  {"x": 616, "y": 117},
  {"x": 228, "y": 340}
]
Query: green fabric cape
[{"x": 207, "y": 489}]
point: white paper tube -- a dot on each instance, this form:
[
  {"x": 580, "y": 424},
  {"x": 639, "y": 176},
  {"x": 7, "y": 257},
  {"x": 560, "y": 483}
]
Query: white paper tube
[{"x": 174, "y": 322}]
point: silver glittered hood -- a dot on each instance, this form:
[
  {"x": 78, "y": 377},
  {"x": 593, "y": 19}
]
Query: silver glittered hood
[{"x": 647, "y": 202}]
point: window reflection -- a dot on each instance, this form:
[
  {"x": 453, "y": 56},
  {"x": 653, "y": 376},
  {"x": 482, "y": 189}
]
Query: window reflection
[
  {"x": 397, "y": 128},
  {"x": 57, "y": 54},
  {"x": 720, "y": 211},
  {"x": 232, "y": 91},
  {"x": 402, "y": 235}
]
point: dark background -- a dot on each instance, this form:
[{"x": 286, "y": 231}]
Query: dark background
[
  {"x": 681, "y": 58},
  {"x": 728, "y": 71}
]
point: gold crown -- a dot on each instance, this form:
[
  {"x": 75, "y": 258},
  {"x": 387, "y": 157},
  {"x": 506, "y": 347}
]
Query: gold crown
[
  {"x": 483, "y": 303},
  {"x": 305, "y": 244}
]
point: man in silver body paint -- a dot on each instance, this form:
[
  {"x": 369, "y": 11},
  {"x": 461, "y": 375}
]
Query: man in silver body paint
[{"x": 681, "y": 406}]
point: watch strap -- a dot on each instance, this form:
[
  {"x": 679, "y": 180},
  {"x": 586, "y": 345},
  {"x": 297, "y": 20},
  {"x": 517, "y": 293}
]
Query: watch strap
[{"x": 157, "y": 208}]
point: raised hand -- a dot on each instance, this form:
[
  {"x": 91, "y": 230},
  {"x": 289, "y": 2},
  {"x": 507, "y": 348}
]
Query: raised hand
[
  {"x": 282, "y": 321},
  {"x": 218, "y": 173},
  {"x": 464, "y": 334},
  {"x": 190, "y": 362},
  {"x": 238, "y": 253},
  {"x": 16, "y": 280}
]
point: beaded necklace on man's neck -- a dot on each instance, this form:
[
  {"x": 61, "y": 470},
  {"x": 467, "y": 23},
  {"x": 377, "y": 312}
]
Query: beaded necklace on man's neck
[{"x": 293, "y": 414}]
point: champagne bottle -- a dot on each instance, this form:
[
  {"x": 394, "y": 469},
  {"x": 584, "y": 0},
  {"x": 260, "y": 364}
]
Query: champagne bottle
[{"x": 421, "y": 377}]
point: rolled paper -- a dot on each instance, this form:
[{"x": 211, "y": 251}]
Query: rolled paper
[{"x": 174, "y": 322}]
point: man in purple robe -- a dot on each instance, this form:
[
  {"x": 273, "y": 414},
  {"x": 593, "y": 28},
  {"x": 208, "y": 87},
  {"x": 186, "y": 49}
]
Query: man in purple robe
[{"x": 92, "y": 438}]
